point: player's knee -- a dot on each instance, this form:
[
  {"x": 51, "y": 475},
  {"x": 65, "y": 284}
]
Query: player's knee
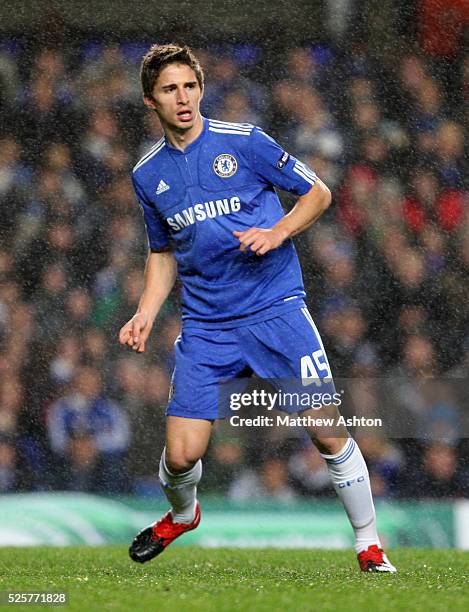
[
  {"x": 329, "y": 446},
  {"x": 180, "y": 461}
]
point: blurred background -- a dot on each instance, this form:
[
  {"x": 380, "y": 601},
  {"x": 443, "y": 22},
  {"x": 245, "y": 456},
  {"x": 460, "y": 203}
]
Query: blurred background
[{"x": 374, "y": 96}]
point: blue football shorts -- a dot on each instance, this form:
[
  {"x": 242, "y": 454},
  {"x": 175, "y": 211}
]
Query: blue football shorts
[{"x": 287, "y": 350}]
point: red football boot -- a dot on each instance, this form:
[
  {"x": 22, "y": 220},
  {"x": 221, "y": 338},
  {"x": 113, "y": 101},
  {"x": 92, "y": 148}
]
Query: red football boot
[
  {"x": 373, "y": 559},
  {"x": 152, "y": 540}
]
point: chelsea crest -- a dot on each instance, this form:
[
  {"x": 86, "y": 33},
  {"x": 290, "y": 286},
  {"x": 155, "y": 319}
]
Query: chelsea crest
[{"x": 225, "y": 165}]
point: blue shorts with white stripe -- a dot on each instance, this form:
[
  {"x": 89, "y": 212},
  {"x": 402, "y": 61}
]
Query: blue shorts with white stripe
[{"x": 286, "y": 349}]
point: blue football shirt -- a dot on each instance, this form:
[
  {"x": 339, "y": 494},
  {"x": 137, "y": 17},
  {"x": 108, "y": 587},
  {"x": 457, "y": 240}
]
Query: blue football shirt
[{"x": 193, "y": 200}]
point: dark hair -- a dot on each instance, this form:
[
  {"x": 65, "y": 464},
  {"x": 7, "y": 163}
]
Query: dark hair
[{"x": 159, "y": 56}]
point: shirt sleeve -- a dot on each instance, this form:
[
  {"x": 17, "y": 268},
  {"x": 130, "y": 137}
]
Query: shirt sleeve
[
  {"x": 158, "y": 237},
  {"x": 277, "y": 167}
]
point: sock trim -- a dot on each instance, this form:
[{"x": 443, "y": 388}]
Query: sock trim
[
  {"x": 343, "y": 455},
  {"x": 163, "y": 457}
]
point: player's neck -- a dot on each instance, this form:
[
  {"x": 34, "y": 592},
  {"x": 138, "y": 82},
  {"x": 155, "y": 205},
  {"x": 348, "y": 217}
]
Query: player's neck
[{"x": 180, "y": 139}]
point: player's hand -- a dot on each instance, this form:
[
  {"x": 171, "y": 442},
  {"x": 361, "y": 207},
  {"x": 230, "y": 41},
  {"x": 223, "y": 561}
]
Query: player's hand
[
  {"x": 260, "y": 241},
  {"x": 135, "y": 332}
]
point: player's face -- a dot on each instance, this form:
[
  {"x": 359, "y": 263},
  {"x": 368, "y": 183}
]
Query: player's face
[{"x": 176, "y": 97}]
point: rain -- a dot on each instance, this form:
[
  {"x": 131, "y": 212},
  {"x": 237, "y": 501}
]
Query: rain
[{"x": 373, "y": 96}]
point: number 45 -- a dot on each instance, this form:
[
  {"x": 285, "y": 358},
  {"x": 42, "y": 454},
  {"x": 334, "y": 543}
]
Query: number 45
[{"x": 312, "y": 365}]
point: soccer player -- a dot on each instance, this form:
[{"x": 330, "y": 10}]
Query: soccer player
[{"x": 207, "y": 190}]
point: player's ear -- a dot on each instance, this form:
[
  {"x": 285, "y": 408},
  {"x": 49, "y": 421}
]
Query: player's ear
[{"x": 149, "y": 102}]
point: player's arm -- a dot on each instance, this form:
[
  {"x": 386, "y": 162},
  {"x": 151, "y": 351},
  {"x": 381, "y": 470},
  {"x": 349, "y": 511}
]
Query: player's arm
[
  {"x": 275, "y": 167},
  {"x": 159, "y": 277},
  {"x": 306, "y": 211}
]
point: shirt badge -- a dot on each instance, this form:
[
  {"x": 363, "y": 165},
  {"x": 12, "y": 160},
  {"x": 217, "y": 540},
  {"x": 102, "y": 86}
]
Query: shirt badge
[
  {"x": 283, "y": 160},
  {"x": 225, "y": 165}
]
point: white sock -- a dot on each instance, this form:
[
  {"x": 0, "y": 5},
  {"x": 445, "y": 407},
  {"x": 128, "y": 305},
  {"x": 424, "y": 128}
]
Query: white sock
[
  {"x": 181, "y": 490},
  {"x": 351, "y": 481}
]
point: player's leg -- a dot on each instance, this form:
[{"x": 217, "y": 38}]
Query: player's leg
[
  {"x": 203, "y": 358},
  {"x": 181, "y": 464},
  {"x": 349, "y": 475},
  {"x": 351, "y": 481},
  {"x": 290, "y": 347},
  {"x": 180, "y": 471},
  {"x": 350, "y": 478}
]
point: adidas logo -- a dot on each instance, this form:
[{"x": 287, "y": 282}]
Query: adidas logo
[{"x": 162, "y": 187}]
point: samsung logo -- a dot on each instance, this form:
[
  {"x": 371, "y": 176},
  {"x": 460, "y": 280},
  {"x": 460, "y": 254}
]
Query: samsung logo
[{"x": 202, "y": 212}]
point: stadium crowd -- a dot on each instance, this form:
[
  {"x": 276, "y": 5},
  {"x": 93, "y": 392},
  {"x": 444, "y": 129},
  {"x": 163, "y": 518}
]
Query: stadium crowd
[{"x": 386, "y": 269}]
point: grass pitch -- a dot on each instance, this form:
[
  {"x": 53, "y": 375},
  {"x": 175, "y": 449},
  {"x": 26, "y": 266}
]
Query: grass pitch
[{"x": 192, "y": 579}]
